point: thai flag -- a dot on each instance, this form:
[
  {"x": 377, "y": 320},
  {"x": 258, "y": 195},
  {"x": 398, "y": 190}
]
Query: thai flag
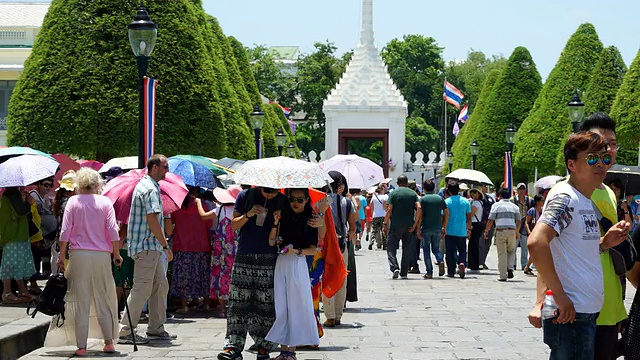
[
  {"x": 452, "y": 95},
  {"x": 285, "y": 110},
  {"x": 464, "y": 114},
  {"x": 149, "y": 95},
  {"x": 508, "y": 172}
]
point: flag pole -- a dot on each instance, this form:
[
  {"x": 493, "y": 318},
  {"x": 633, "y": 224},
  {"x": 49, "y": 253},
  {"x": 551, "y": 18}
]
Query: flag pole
[{"x": 446, "y": 126}]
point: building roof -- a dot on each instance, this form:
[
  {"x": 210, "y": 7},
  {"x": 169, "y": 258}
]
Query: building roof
[
  {"x": 22, "y": 14},
  {"x": 366, "y": 81},
  {"x": 285, "y": 52}
]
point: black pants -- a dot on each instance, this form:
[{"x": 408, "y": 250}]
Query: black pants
[
  {"x": 408, "y": 249},
  {"x": 606, "y": 342},
  {"x": 456, "y": 252},
  {"x": 477, "y": 233}
]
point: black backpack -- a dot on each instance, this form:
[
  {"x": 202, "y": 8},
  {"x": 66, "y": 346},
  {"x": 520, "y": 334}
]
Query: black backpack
[
  {"x": 487, "y": 203},
  {"x": 51, "y": 301},
  {"x": 623, "y": 255}
]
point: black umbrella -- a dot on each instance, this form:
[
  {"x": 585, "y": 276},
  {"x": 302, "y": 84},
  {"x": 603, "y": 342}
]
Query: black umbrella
[{"x": 629, "y": 175}]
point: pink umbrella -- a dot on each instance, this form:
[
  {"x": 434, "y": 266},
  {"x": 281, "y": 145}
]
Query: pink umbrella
[
  {"x": 94, "y": 164},
  {"x": 120, "y": 192}
]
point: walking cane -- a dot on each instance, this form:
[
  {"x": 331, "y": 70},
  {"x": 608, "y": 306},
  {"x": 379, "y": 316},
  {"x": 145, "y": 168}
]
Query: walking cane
[{"x": 126, "y": 308}]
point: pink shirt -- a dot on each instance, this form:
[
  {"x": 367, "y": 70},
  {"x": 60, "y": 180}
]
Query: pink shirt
[{"x": 89, "y": 223}]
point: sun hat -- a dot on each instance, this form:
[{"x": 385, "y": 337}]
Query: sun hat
[
  {"x": 228, "y": 195},
  {"x": 113, "y": 172},
  {"x": 479, "y": 190},
  {"x": 464, "y": 186},
  {"x": 69, "y": 181}
]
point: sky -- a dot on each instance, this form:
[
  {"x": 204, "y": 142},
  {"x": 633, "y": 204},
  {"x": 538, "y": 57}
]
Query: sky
[{"x": 491, "y": 26}]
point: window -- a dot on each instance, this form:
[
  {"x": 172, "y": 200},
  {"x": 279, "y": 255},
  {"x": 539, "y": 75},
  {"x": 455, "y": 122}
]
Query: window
[{"x": 5, "y": 93}]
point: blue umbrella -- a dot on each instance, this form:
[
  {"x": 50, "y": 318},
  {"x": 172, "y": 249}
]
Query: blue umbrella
[
  {"x": 192, "y": 173},
  {"x": 14, "y": 151}
]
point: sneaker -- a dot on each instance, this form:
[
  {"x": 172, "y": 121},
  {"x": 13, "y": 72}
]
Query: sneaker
[
  {"x": 162, "y": 336},
  {"x": 441, "y": 268},
  {"x": 396, "y": 273},
  {"x": 263, "y": 354},
  {"x": 404, "y": 277},
  {"x": 371, "y": 246},
  {"x": 128, "y": 340},
  {"x": 503, "y": 280},
  {"x": 510, "y": 274},
  {"x": 461, "y": 270},
  {"x": 415, "y": 270},
  {"x": 230, "y": 354},
  {"x": 484, "y": 267}
]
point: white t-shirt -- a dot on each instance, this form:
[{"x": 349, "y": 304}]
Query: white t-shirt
[
  {"x": 377, "y": 201},
  {"x": 575, "y": 250},
  {"x": 477, "y": 217}
]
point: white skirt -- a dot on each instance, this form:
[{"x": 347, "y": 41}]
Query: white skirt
[
  {"x": 91, "y": 308},
  {"x": 295, "y": 323}
]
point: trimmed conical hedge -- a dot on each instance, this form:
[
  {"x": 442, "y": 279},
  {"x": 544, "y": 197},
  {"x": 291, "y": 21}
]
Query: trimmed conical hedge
[
  {"x": 546, "y": 128},
  {"x": 78, "y": 93},
  {"x": 514, "y": 93},
  {"x": 461, "y": 146},
  {"x": 605, "y": 81},
  {"x": 625, "y": 110}
]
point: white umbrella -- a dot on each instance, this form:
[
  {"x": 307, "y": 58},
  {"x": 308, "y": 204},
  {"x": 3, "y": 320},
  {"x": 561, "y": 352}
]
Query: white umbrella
[
  {"x": 547, "y": 182},
  {"x": 472, "y": 176},
  {"x": 124, "y": 163},
  {"x": 360, "y": 173},
  {"x": 281, "y": 172},
  {"x": 25, "y": 170}
]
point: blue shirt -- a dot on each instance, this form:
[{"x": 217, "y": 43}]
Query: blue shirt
[
  {"x": 363, "y": 204},
  {"x": 458, "y": 207},
  {"x": 254, "y": 239}
]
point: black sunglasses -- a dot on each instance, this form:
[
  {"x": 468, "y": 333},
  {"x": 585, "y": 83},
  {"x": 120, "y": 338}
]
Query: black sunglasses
[
  {"x": 299, "y": 200},
  {"x": 47, "y": 184},
  {"x": 269, "y": 190}
]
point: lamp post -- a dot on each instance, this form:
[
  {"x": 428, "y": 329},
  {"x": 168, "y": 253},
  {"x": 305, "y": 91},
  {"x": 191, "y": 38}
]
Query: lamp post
[
  {"x": 510, "y": 136},
  {"x": 143, "y": 34},
  {"x": 257, "y": 121},
  {"x": 450, "y": 160},
  {"x": 291, "y": 150},
  {"x": 475, "y": 149},
  {"x": 281, "y": 139},
  {"x": 576, "y": 111}
]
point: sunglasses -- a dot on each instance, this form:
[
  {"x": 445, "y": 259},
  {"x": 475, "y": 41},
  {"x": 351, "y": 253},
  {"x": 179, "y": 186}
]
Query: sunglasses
[
  {"x": 47, "y": 185},
  {"x": 593, "y": 159},
  {"x": 299, "y": 200},
  {"x": 269, "y": 190}
]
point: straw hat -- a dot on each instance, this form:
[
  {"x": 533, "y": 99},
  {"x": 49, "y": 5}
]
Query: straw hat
[
  {"x": 227, "y": 196},
  {"x": 69, "y": 181},
  {"x": 479, "y": 190}
]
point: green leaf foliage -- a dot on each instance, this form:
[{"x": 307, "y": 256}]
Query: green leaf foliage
[
  {"x": 420, "y": 136},
  {"x": 245, "y": 70},
  {"x": 544, "y": 131},
  {"x": 461, "y": 146},
  {"x": 509, "y": 103},
  {"x": 78, "y": 93},
  {"x": 605, "y": 81},
  {"x": 625, "y": 110}
]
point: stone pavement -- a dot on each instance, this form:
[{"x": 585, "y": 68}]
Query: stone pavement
[{"x": 472, "y": 318}]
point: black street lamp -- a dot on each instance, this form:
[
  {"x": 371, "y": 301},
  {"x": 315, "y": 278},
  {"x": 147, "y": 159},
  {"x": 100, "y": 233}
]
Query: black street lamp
[
  {"x": 257, "y": 121},
  {"x": 281, "y": 139},
  {"x": 475, "y": 149},
  {"x": 143, "y": 34},
  {"x": 291, "y": 150},
  {"x": 450, "y": 160},
  {"x": 510, "y": 136},
  {"x": 576, "y": 111}
]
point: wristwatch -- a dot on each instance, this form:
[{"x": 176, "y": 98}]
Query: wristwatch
[
  {"x": 165, "y": 247},
  {"x": 321, "y": 213}
]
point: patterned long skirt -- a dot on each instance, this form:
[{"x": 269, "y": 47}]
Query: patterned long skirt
[
  {"x": 316, "y": 270},
  {"x": 225, "y": 244},
  {"x": 251, "y": 301},
  {"x": 189, "y": 278},
  {"x": 17, "y": 261}
]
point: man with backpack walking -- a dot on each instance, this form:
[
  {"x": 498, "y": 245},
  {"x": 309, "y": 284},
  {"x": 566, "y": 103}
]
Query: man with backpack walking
[
  {"x": 524, "y": 203},
  {"x": 485, "y": 242}
]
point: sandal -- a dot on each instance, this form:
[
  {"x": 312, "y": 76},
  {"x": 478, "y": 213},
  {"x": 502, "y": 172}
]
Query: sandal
[
  {"x": 109, "y": 349},
  {"x": 286, "y": 355},
  {"x": 81, "y": 352},
  {"x": 26, "y": 295},
  {"x": 10, "y": 298}
]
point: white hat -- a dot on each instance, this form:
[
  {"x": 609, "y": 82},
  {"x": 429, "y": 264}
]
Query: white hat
[
  {"x": 69, "y": 181},
  {"x": 464, "y": 186}
]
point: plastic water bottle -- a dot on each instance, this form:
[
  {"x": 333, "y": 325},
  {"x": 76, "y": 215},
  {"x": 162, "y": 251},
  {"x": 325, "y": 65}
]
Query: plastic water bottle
[{"x": 549, "y": 307}]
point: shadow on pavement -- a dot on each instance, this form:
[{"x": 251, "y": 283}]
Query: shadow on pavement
[
  {"x": 369, "y": 310},
  {"x": 90, "y": 354}
]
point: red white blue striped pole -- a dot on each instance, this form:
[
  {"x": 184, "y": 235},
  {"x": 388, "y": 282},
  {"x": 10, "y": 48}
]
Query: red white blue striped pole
[{"x": 149, "y": 86}]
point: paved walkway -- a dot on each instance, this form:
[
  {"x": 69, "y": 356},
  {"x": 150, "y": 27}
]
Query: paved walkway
[{"x": 472, "y": 318}]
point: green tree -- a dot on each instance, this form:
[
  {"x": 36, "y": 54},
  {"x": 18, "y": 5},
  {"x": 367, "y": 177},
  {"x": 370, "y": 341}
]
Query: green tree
[
  {"x": 245, "y": 70},
  {"x": 469, "y": 75},
  {"x": 515, "y": 91},
  {"x": 78, "y": 93},
  {"x": 420, "y": 136},
  {"x": 273, "y": 80},
  {"x": 460, "y": 148},
  {"x": 310, "y": 136},
  {"x": 605, "y": 81},
  {"x": 543, "y": 132},
  {"x": 415, "y": 64},
  {"x": 624, "y": 110}
]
